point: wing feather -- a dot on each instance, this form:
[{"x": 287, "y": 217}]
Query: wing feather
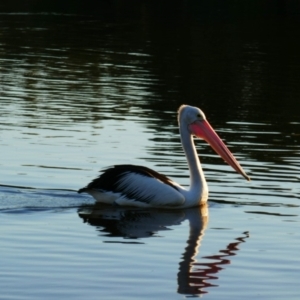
[
  {"x": 136, "y": 185},
  {"x": 149, "y": 190}
]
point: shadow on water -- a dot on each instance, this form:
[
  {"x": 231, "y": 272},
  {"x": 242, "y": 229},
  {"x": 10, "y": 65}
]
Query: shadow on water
[{"x": 133, "y": 224}]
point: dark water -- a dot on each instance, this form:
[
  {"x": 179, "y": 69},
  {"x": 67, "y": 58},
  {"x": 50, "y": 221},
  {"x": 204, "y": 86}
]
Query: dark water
[{"x": 80, "y": 92}]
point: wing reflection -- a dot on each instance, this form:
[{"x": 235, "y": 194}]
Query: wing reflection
[
  {"x": 130, "y": 222},
  {"x": 136, "y": 223}
]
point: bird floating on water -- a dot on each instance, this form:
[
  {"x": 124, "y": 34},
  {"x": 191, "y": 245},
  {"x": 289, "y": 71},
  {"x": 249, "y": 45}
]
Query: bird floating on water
[{"x": 132, "y": 185}]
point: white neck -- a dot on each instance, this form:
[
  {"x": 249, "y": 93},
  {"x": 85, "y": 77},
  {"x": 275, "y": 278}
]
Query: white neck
[{"x": 198, "y": 191}]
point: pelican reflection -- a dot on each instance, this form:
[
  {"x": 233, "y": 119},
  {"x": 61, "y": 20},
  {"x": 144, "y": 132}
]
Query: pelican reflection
[{"x": 137, "y": 223}]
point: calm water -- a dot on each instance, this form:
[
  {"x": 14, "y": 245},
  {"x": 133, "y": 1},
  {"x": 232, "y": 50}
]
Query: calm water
[{"x": 79, "y": 94}]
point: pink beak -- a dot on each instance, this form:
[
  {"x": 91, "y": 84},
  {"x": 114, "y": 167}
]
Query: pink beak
[{"x": 203, "y": 130}]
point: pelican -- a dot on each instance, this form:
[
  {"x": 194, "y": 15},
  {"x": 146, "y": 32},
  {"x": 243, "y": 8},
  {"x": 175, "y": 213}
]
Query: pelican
[{"x": 132, "y": 185}]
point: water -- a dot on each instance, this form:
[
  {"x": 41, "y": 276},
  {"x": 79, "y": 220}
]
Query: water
[{"x": 79, "y": 93}]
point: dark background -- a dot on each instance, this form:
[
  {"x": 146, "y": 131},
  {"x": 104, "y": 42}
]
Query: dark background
[{"x": 167, "y": 10}]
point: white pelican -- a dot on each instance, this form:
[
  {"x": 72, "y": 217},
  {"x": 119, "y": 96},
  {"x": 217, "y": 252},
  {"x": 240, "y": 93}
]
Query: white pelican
[{"x": 132, "y": 185}]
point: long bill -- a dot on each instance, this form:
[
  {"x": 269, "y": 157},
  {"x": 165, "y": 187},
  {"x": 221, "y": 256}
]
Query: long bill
[{"x": 202, "y": 129}]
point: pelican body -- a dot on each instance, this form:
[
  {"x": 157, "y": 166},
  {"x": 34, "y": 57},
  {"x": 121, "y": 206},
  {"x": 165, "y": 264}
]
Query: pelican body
[{"x": 132, "y": 185}]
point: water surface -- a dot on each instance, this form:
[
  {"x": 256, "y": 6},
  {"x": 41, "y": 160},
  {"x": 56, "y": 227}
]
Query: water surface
[{"x": 79, "y": 94}]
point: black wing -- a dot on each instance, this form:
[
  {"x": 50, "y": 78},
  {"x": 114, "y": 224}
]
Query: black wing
[{"x": 108, "y": 180}]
